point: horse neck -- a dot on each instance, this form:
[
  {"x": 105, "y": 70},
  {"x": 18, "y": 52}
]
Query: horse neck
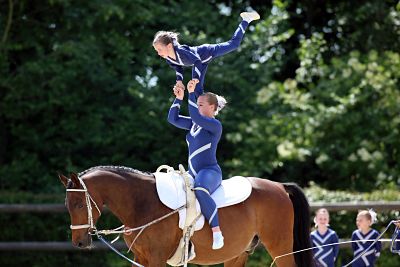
[{"x": 132, "y": 198}]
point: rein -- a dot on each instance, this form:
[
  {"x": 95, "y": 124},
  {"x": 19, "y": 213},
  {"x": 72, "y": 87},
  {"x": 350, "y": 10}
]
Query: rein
[{"x": 127, "y": 230}]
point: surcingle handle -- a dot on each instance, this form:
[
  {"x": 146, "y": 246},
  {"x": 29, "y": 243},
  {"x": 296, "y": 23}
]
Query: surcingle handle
[
  {"x": 166, "y": 167},
  {"x": 190, "y": 213}
]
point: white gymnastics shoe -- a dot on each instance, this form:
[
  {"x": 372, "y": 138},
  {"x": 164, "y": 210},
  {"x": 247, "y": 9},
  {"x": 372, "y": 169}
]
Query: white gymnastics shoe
[
  {"x": 218, "y": 240},
  {"x": 250, "y": 16}
]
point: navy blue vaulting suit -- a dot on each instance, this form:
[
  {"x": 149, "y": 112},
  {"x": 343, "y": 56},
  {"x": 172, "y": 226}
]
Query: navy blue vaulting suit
[
  {"x": 397, "y": 243},
  {"x": 202, "y": 139},
  {"x": 370, "y": 255},
  {"x": 326, "y": 255},
  {"x": 200, "y": 56}
]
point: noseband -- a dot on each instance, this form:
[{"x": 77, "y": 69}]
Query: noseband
[{"x": 88, "y": 199}]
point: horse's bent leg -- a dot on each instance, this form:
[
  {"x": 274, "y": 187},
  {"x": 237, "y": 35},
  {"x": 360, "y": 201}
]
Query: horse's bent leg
[{"x": 240, "y": 261}]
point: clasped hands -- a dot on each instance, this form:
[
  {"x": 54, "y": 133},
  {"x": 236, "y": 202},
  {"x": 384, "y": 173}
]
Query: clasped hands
[{"x": 179, "y": 88}]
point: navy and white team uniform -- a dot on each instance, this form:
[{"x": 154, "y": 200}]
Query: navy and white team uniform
[
  {"x": 396, "y": 246},
  {"x": 202, "y": 139},
  {"x": 325, "y": 256},
  {"x": 370, "y": 256},
  {"x": 200, "y": 56}
]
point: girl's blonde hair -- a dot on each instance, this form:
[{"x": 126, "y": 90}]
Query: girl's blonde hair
[
  {"x": 165, "y": 37},
  {"x": 370, "y": 214}
]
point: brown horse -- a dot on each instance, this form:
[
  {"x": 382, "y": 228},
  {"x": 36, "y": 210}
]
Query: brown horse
[{"x": 276, "y": 214}]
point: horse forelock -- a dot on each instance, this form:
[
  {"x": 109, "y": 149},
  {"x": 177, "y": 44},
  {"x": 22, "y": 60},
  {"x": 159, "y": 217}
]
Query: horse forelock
[{"x": 115, "y": 169}]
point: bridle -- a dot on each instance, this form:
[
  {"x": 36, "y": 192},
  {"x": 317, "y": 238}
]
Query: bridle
[{"x": 88, "y": 199}]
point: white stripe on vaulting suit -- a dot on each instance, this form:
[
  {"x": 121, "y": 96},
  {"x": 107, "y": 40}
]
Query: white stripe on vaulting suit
[
  {"x": 193, "y": 104},
  {"x": 197, "y": 151},
  {"x": 197, "y": 71},
  {"x": 176, "y": 105}
]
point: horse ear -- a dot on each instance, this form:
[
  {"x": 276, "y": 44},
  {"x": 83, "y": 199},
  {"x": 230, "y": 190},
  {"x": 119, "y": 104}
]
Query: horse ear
[
  {"x": 75, "y": 179},
  {"x": 63, "y": 179}
]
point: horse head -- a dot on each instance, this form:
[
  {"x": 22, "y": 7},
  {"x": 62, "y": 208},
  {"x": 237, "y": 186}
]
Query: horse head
[{"x": 83, "y": 210}]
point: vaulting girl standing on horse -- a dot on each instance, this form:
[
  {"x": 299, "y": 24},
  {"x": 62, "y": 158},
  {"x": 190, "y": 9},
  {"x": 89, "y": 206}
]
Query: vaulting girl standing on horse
[
  {"x": 203, "y": 137},
  {"x": 177, "y": 56}
]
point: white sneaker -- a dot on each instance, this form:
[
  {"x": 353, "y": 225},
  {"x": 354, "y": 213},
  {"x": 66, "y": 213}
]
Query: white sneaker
[
  {"x": 218, "y": 240},
  {"x": 250, "y": 16}
]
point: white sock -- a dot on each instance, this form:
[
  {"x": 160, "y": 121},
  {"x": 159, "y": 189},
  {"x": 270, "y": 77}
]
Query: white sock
[{"x": 217, "y": 235}]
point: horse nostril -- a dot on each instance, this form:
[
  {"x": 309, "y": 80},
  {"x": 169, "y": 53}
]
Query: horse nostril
[{"x": 80, "y": 244}]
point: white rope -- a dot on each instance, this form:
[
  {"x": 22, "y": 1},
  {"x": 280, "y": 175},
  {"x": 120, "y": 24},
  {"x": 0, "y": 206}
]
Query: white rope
[
  {"x": 129, "y": 230},
  {"x": 343, "y": 242}
]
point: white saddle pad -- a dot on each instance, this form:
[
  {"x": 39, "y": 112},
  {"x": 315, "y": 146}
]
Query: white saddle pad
[{"x": 171, "y": 191}]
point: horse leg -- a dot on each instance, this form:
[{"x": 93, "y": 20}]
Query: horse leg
[
  {"x": 155, "y": 263},
  {"x": 277, "y": 238},
  {"x": 276, "y": 231},
  {"x": 239, "y": 261},
  {"x": 140, "y": 259},
  {"x": 150, "y": 260}
]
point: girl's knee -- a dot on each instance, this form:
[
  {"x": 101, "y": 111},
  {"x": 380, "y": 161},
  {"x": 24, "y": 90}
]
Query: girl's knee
[{"x": 208, "y": 179}]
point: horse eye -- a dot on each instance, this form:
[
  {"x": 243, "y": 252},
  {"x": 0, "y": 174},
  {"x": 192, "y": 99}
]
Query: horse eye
[{"x": 78, "y": 205}]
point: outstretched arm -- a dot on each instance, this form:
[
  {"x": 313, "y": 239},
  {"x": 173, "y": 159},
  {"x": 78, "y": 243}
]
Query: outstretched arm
[{"x": 174, "y": 118}]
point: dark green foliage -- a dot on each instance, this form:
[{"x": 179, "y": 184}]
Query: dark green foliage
[
  {"x": 313, "y": 94},
  {"x": 82, "y": 86}
]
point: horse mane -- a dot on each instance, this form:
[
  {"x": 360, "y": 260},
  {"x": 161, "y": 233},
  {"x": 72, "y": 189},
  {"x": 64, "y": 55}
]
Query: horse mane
[{"x": 117, "y": 169}]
